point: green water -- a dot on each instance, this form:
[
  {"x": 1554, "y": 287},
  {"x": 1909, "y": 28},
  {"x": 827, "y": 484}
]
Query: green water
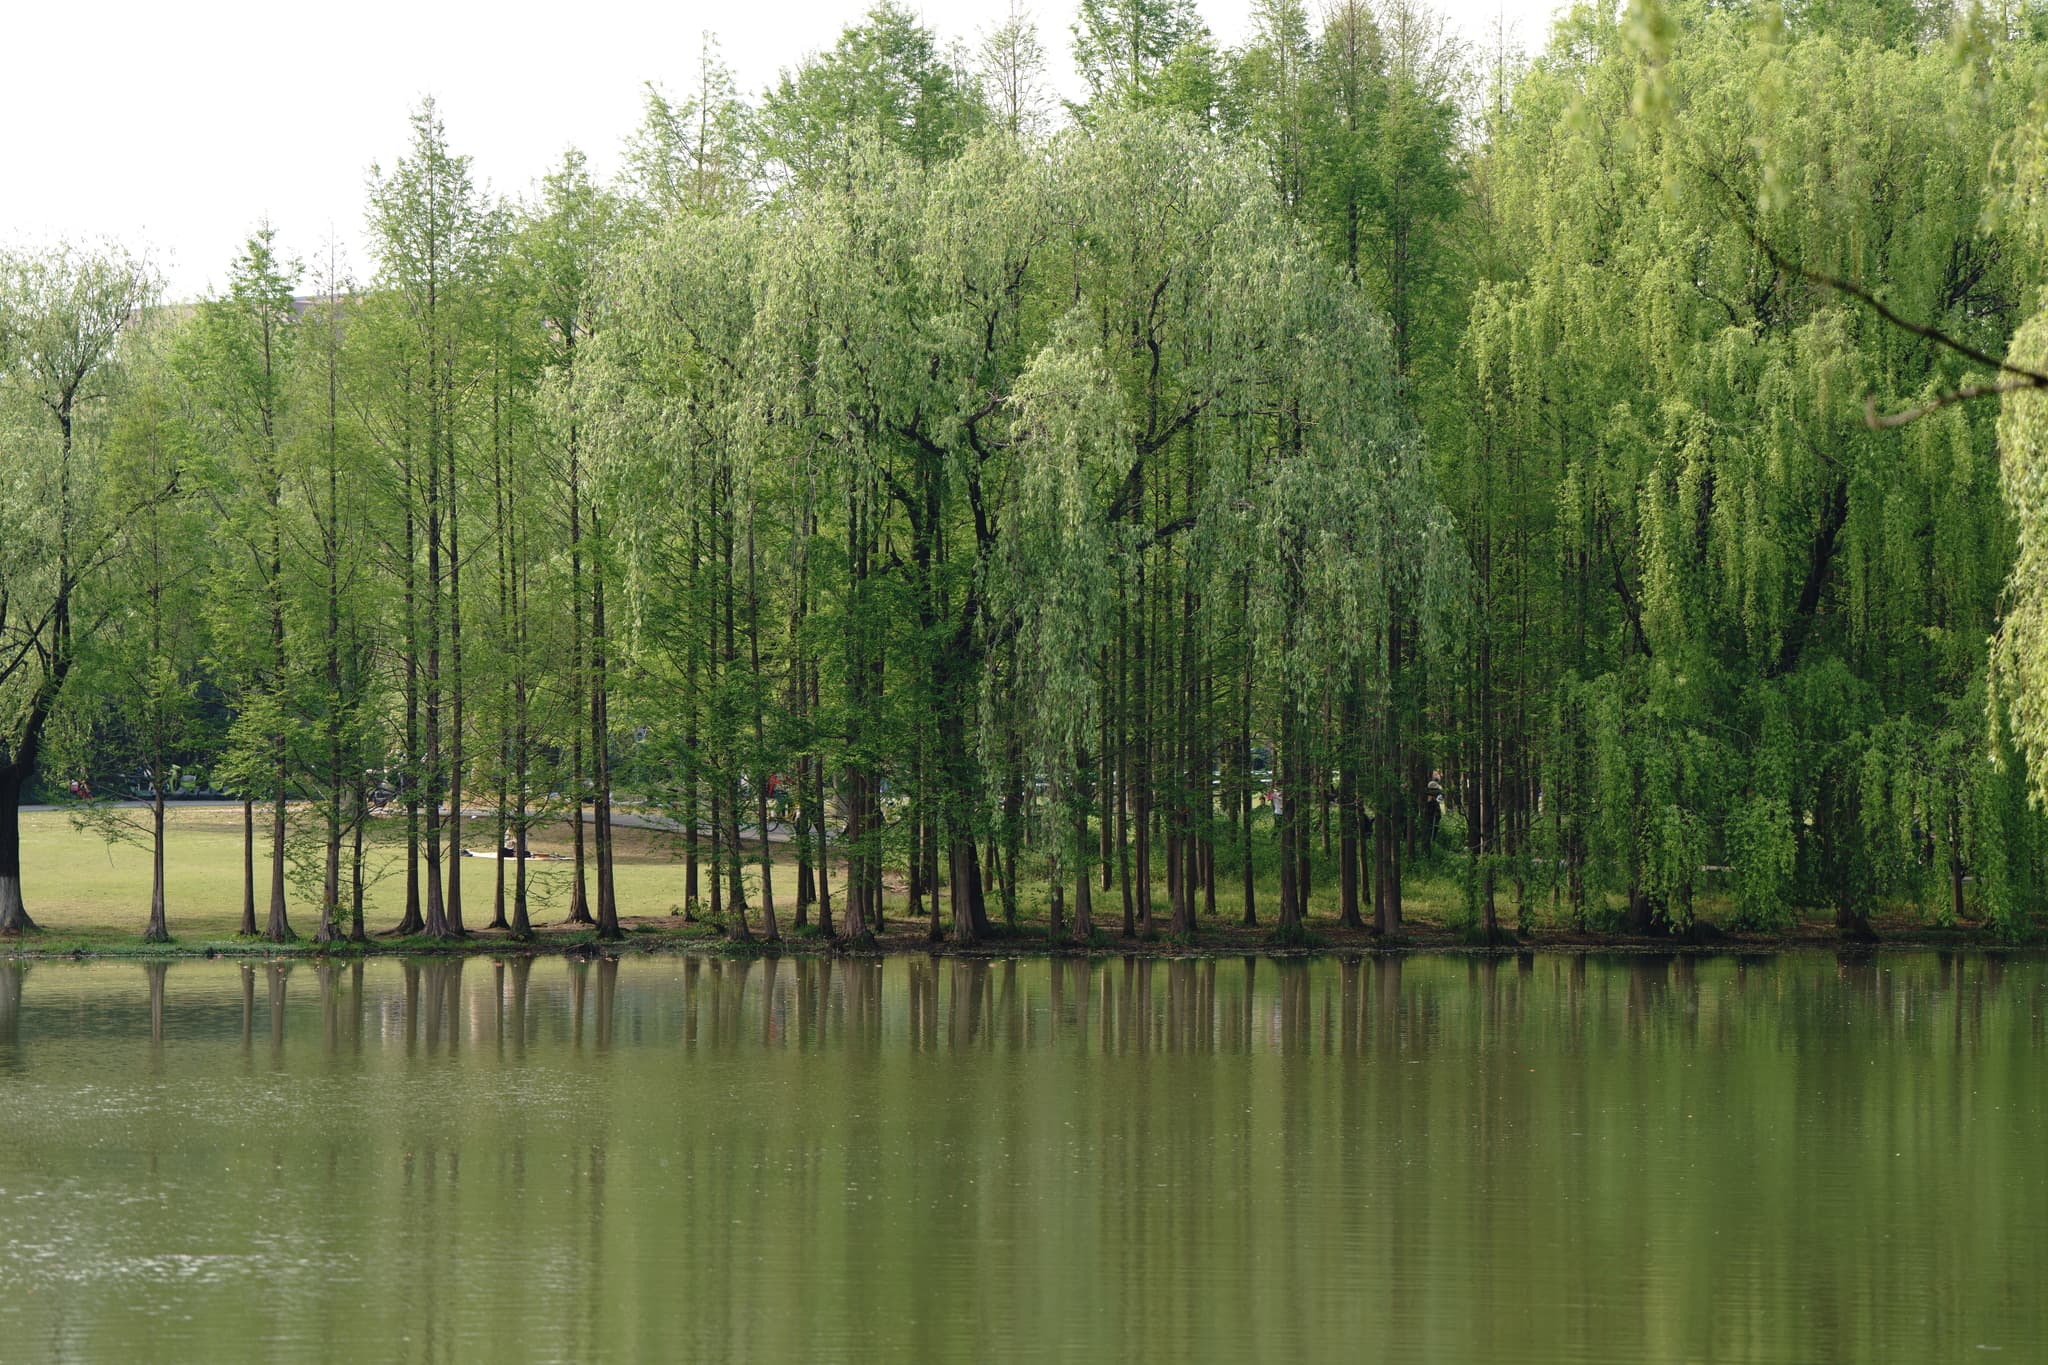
[{"x": 1549, "y": 1159}]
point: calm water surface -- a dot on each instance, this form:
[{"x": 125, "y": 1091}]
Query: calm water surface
[{"x": 1550, "y": 1159}]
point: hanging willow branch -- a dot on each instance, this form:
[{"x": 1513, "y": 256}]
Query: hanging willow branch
[{"x": 2019, "y": 377}]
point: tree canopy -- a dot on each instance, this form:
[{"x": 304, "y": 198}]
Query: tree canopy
[{"x": 1607, "y": 481}]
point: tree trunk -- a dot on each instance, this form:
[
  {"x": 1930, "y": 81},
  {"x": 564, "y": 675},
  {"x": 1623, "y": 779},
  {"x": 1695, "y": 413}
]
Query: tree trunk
[
  {"x": 601, "y": 749},
  {"x": 412, "y": 921},
  {"x": 856, "y": 855},
  {"x": 717, "y": 846},
  {"x": 14, "y": 917},
  {"x": 1285, "y": 814},
  {"x": 1245, "y": 760},
  {"x": 1056, "y": 897},
  {"x": 579, "y": 899},
  {"x": 248, "y": 929},
  {"x": 1105, "y": 784},
  {"x": 1955, "y": 882},
  {"x": 277, "y": 928},
  {"x": 437, "y": 906},
  {"x": 330, "y": 883},
  {"x": 500, "y": 829},
  {"x": 1141, "y": 686},
  {"x": 452, "y": 910},
  {"x": 818, "y": 828},
  {"x": 361, "y": 815},
  {"x": 522, "y": 922},
  {"x": 1347, "y": 813},
  {"x": 157, "y": 931},
  {"x": 1084, "y": 900},
  {"x": 800, "y": 835}
]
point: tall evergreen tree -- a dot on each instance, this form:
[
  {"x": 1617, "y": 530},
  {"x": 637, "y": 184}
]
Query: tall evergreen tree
[
  {"x": 240, "y": 368},
  {"x": 432, "y": 229}
]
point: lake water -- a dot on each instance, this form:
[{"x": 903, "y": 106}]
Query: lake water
[{"x": 1553, "y": 1158}]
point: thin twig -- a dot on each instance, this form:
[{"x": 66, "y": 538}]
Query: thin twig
[
  {"x": 1961, "y": 395},
  {"x": 2021, "y": 379}
]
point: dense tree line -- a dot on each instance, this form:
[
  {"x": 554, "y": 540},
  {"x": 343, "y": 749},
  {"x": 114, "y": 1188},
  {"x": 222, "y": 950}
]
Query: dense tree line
[{"x": 1598, "y": 476}]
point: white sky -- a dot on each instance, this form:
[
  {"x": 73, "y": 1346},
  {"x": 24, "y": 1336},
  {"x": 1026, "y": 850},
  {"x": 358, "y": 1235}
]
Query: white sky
[{"x": 174, "y": 127}]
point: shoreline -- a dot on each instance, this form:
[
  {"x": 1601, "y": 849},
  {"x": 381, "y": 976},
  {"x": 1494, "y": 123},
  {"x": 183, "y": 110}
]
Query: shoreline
[{"x": 651, "y": 939}]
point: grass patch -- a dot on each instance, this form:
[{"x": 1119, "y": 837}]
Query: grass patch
[
  {"x": 91, "y": 898},
  {"x": 76, "y": 883}
]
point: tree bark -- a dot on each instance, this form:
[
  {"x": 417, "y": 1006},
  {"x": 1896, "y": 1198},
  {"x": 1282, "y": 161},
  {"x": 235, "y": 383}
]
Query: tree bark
[
  {"x": 14, "y": 916},
  {"x": 601, "y": 747},
  {"x": 156, "y": 931},
  {"x": 248, "y": 929}
]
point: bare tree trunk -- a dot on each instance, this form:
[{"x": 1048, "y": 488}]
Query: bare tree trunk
[
  {"x": 762, "y": 777},
  {"x": 1245, "y": 761},
  {"x": 452, "y": 910},
  {"x": 1347, "y": 811},
  {"x": 14, "y": 916},
  {"x": 1084, "y": 900},
  {"x": 362, "y": 816},
  {"x": 579, "y": 902},
  {"x": 1122, "y": 790},
  {"x": 818, "y": 823},
  {"x": 412, "y": 921},
  {"x": 278, "y": 929},
  {"x": 736, "y": 887},
  {"x": 157, "y": 931},
  {"x": 501, "y": 827},
  {"x": 522, "y": 923},
  {"x": 601, "y": 759},
  {"x": 1105, "y": 786},
  {"x": 437, "y": 906},
  {"x": 330, "y": 883},
  {"x": 248, "y": 929}
]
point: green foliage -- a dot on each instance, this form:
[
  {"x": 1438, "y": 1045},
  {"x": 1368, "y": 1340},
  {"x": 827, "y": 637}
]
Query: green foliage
[
  {"x": 885, "y": 78},
  {"x": 1780, "y": 612},
  {"x": 63, "y": 314},
  {"x": 1125, "y": 49},
  {"x": 693, "y": 154},
  {"x": 1589, "y": 447}
]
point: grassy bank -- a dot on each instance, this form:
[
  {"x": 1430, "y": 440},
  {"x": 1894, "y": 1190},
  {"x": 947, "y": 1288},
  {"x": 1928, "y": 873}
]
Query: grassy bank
[
  {"x": 83, "y": 890},
  {"x": 91, "y": 897}
]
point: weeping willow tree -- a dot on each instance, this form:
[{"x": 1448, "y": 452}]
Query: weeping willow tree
[
  {"x": 1345, "y": 538},
  {"x": 979, "y": 495},
  {"x": 1055, "y": 586},
  {"x": 1760, "y": 611},
  {"x": 2021, "y": 673},
  {"x": 666, "y": 393},
  {"x": 62, "y": 318}
]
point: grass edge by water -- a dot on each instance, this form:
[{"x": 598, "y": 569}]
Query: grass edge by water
[{"x": 647, "y": 938}]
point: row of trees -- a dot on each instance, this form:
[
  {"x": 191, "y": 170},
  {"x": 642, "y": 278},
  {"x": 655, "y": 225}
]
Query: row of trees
[{"x": 1576, "y": 473}]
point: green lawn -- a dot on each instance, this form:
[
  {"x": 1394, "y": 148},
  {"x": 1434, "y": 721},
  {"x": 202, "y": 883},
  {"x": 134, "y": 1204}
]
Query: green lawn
[
  {"x": 77, "y": 884},
  {"x": 87, "y": 893}
]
